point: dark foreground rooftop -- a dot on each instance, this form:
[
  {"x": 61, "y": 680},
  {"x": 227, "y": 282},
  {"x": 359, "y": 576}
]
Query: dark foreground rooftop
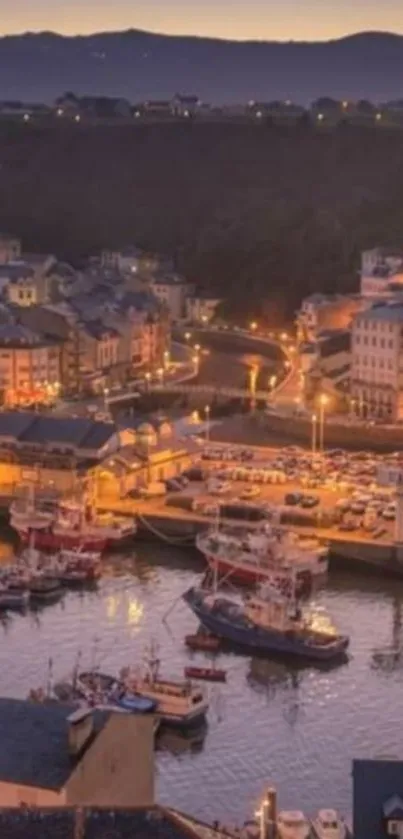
[
  {"x": 154, "y": 823},
  {"x": 34, "y": 743}
]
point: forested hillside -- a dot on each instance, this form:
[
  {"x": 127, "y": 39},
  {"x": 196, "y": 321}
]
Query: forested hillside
[{"x": 259, "y": 214}]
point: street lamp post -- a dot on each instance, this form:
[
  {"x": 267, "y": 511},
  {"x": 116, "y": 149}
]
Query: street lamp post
[
  {"x": 207, "y": 413},
  {"x": 160, "y": 374},
  {"x": 314, "y": 429},
  {"x": 106, "y": 394},
  {"x": 322, "y": 404},
  {"x": 166, "y": 359},
  {"x": 195, "y": 360},
  {"x": 147, "y": 377}
]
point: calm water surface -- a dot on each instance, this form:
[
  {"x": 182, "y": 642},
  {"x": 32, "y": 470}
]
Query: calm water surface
[{"x": 297, "y": 728}]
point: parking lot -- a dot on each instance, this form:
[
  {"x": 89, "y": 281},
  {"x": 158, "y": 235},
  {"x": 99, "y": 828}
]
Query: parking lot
[{"x": 341, "y": 486}]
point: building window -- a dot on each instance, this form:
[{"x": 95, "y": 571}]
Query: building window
[
  {"x": 382, "y": 342},
  {"x": 365, "y": 340},
  {"x": 374, "y": 342},
  {"x": 391, "y": 345}
]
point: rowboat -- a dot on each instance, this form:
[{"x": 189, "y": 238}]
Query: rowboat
[{"x": 202, "y": 641}]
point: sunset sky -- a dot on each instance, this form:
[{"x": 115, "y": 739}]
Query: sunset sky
[{"x": 261, "y": 19}]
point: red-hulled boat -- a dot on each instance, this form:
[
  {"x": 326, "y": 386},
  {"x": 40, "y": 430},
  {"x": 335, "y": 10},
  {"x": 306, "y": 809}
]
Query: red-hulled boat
[{"x": 208, "y": 674}]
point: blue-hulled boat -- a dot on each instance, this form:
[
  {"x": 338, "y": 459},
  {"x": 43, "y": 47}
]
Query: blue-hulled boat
[{"x": 268, "y": 622}]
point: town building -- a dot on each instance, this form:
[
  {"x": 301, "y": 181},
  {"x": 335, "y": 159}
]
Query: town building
[
  {"x": 377, "y": 362},
  {"x": 56, "y": 756},
  {"x": 185, "y": 106},
  {"x": 154, "y": 452},
  {"x": 52, "y": 451},
  {"x": 201, "y": 307},
  {"x": 10, "y": 248},
  {"x": 26, "y": 281},
  {"x": 320, "y": 312},
  {"x": 381, "y": 272},
  {"x": 30, "y": 366},
  {"x": 56, "y": 453},
  {"x": 130, "y": 260},
  {"x": 327, "y": 365},
  {"x": 173, "y": 291}
]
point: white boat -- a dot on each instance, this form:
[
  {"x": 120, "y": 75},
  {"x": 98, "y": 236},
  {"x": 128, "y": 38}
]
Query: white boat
[
  {"x": 292, "y": 824},
  {"x": 329, "y": 825},
  {"x": 179, "y": 703},
  {"x": 252, "y": 556},
  {"x": 26, "y": 514}
]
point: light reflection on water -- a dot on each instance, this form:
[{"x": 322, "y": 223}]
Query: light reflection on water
[{"x": 295, "y": 727}]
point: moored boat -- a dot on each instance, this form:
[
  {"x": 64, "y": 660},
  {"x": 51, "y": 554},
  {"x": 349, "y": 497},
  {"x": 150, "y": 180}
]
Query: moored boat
[
  {"x": 42, "y": 587},
  {"x": 202, "y": 641},
  {"x": 292, "y": 824},
  {"x": 268, "y": 622},
  {"x": 208, "y": 674},
  {"x": 255, "y": 556},
  {"x": 179, "y": 703},
  {"x": 13, "y": 598},
  {"x": 329, "y": 825}
]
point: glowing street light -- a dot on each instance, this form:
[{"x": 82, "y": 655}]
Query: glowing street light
[
  {"x": 284, "y": 336},
  {"x": 207, "y": 413},
  {"x": 253, "y": 326},
  {"x": 188, "y": 336},
  {"x": 314, "y": 429},
  {"x": 197, "y": 347},
  {"x": 160, "y": 374},
  {"x": 195, "y": 361},
  {"x": 323, "y": 401},
  {"x": 106, "y": 394},
  {"x": 167, "y": 359}
]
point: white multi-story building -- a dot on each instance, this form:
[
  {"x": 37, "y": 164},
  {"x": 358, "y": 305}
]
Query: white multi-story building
[{"x": 377, "y": 362}]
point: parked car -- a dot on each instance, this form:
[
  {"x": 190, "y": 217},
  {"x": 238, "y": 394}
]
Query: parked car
[
  {"x": 250, "y": 492},
  {"x": 309, "y": 501},
  {"x": 293, "y": 498}
]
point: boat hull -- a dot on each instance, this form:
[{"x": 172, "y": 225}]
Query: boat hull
[
  {"x": 261, "y": 640},
  {"x": 252, "y": 574},
  {"x": 48, "y": 540}
]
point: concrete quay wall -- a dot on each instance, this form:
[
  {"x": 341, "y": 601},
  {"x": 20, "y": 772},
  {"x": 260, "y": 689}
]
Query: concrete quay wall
[{"x": 379, "y": 438}]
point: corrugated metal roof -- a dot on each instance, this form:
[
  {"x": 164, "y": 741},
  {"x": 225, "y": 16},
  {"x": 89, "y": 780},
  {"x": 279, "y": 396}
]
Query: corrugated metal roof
[{"x": 34, "y": 738}]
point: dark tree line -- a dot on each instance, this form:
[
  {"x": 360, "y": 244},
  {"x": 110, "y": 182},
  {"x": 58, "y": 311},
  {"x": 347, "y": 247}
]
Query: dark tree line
[{"x": 259, "y": 215}]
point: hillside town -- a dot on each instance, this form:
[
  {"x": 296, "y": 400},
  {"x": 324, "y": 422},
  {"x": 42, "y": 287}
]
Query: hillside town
[{"x": 81, "y": 332}]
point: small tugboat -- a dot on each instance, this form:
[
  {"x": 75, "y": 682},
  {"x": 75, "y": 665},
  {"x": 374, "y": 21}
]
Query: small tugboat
[
  {"x": 208, "y": 674},
  {"x": 269, "y": 622},
  {"x": 329, "y": 825},
  {"x": 178, "y": 703},
  {"x": 292, "y": 824}
]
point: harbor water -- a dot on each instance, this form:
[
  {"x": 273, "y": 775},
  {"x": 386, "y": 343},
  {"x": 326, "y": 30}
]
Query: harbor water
[{"x": 295, "y": 727}]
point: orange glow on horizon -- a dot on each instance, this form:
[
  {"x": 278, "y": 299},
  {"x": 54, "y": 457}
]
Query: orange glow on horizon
[{"x": 230, "y": 19}]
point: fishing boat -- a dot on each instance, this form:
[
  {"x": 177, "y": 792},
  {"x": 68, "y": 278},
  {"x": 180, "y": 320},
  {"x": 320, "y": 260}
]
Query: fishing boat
[
  {"x": 329, "y": 825},
  {"x": 292, "y": 824},
  {"x": 253, "y": 556},
  {"x": 202, "y": 641},
  {"x": 102, "y": 690},
  {"x": 270, "y": 621},
  {"x": 27, "y": 513},
  {"x": 42, "y": 587},
  {"x": 208, "y": 674},
  {"x": 179, "y": 703}
]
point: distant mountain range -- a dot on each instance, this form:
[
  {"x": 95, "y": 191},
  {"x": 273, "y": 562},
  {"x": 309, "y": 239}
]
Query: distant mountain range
[{"x": 141, "y": 65}]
